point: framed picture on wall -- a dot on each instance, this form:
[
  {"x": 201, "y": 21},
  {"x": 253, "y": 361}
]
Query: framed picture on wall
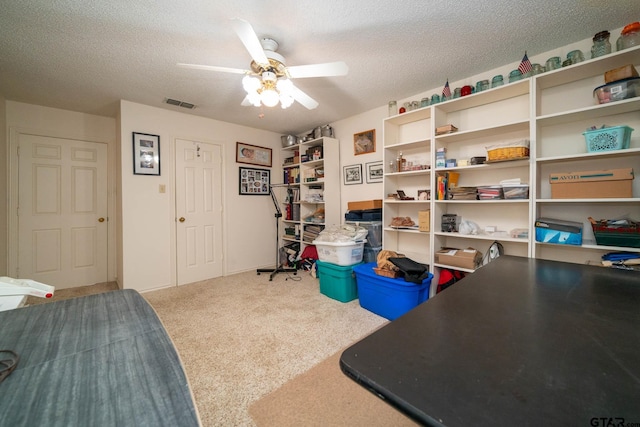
[
  {"x": 254, "y": 182},
  {"x": 375, "y": 172},
  {"x": 146, "y": 154},
  {"x": 364, "y": 142},
  {"x": 353, "y": 174},
  {"x": 253, "y": 155}
]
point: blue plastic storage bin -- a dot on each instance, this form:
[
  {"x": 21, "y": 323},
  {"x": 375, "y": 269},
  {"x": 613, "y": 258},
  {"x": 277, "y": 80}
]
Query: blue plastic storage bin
[{"x": 387, "y": 297}]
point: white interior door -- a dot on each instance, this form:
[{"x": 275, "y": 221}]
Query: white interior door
[
  {"x": 62, "y": 211},
  {"x": 198, "y": 211}
]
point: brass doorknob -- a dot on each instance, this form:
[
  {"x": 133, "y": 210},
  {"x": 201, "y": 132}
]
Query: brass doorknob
[
  {"x": 181, "y": 219},
  {"x": 100, "y": 219}
]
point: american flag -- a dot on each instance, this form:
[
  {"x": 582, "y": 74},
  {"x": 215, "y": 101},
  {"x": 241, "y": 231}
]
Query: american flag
[
  {"x": 525, "y": 65},
  {"x": 446, "y": 91}
]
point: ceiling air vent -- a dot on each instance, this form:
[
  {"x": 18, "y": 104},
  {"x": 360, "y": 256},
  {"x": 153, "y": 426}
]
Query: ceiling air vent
[{"x": 180, "y": 103}]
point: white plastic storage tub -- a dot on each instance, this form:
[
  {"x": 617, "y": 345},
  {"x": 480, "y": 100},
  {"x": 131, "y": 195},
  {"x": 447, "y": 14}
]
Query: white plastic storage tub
[{"x": 340, "y": 253}]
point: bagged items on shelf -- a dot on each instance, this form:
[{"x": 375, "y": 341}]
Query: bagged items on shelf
[{"x": 342, "y": 233}]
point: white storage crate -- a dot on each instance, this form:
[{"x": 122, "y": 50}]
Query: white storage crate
[{"x": 340, "y": 253}]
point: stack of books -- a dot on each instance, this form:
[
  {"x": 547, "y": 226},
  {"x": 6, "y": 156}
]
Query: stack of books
[{"x": 311, "y": 233}]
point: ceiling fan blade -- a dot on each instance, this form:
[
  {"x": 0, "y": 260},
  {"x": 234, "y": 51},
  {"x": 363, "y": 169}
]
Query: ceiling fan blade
[
  {"x": 245, "y": 102},
  {"x": 327, "y": 69},
  {"x": 250, "y": 40},
  {"x": 303, "y": 98},
  {"x": 213, "y": 68}
]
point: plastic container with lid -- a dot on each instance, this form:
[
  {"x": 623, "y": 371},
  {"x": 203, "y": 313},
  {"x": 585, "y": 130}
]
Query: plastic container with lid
[
  {"x": 630, "y": 36},
  {"x": 618, "y": 90}
]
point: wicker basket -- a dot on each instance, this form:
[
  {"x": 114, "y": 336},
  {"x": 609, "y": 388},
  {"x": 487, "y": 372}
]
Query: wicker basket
[{"x": 511, "y": 151}]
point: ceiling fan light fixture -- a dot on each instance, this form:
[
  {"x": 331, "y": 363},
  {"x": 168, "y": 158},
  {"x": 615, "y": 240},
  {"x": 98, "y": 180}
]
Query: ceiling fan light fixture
[
  {"x": 269, "y": 97},
  {"x": 286, "y": 101},
  {"x": 251, "y": 84}
]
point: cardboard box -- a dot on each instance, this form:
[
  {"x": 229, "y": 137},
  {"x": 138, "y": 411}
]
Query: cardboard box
[
  {"x": 364, "y": 205},
  {"x": 592, "y": 184},
  {"x": 445, "y": 129},
  {"x": 549, "y": 230},
  {"x": 423, "y": 220},
  {"x": 469, "y": 258},
  {"x": 625, "y": 72}
]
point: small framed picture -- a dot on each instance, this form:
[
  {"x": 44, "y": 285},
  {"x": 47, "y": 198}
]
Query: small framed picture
[
  {"x": 364, "y": 142},
  {"x": 424, "y": 194},
  {"x": 254, "y": 182},
  {"x": 253, "y": 155},
  {"x": 146, "y": 154},
  {"x": 353, "y": 174},
  {"x": 375, "y": 172}
]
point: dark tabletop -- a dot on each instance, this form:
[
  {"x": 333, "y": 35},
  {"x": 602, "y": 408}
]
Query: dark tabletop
[
  {"x": 100, "y": 360},
  {"x": 519, "y": 342}
]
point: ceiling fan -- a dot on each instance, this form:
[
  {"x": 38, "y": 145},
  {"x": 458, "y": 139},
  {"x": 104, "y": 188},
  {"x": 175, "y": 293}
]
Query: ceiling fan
[{"x": 269, "y": 79}]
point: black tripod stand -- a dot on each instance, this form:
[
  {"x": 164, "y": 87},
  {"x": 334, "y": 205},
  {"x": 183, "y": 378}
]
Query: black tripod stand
[{"x": 278, "y": 268}]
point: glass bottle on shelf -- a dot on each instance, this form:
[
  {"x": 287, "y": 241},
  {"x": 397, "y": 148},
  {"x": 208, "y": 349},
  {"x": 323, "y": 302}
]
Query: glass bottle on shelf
[{"x": 400, "y": 162}]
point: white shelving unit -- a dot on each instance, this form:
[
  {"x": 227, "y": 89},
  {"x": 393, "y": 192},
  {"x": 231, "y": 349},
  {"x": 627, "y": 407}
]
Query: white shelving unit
[
  {"x": 316, "y": 182},
  {"x": 408, "y": 134},
  {"x": 551, "y": 110},
  {"x": 564, "y": 108}
]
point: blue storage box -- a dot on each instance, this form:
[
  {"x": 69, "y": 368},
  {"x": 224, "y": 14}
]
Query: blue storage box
[
  {"x": 549, "y": 230},
  {"x": 336, "y": 281},
  {"x": 387, "y": 297}
]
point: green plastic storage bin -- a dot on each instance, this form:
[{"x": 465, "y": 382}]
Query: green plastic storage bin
[{"x": 337, "y": 281}]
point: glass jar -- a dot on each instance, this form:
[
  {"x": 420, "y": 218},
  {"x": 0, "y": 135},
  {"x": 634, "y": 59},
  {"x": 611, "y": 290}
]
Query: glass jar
[
  {"x": 393, "y": 108},
  {"x": 497, "y": 81},
  {"x": 515, "y": 75},
  {"x": 424, "y": 102},
  {"x": 601, "y": 45},
  {"x": 631, "y": 35},
  {"x": 537, "y": 69}
]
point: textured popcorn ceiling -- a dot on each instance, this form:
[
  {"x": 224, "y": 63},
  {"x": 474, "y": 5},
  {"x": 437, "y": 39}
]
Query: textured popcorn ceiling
[{"x": 86, "y": 55}]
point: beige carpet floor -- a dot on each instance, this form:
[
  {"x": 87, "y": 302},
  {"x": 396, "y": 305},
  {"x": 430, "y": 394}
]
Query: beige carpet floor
[
  {"x": 324, "y": 396},
  {"x": 247, "y": 342},
  {"x": 241, "y": 337}
]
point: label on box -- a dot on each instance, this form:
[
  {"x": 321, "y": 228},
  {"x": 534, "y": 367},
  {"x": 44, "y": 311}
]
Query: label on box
[{"x": 602, "y": 175}]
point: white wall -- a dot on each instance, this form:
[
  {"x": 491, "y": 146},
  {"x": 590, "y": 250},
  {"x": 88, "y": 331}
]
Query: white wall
[
  {"x": 148, "y": 219},
  {"x": 344, "y": 131}
]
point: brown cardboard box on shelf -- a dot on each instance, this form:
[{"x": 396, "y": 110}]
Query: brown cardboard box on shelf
[
  {"x": 365, "y": 204},
  {"x": 624, "y": 72},
  {"x": 469, "y": 258},
  {"x": 423, "y": 220},
  {"x": 446, "y": 129},
  {"x": 592, "y": 184}
]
